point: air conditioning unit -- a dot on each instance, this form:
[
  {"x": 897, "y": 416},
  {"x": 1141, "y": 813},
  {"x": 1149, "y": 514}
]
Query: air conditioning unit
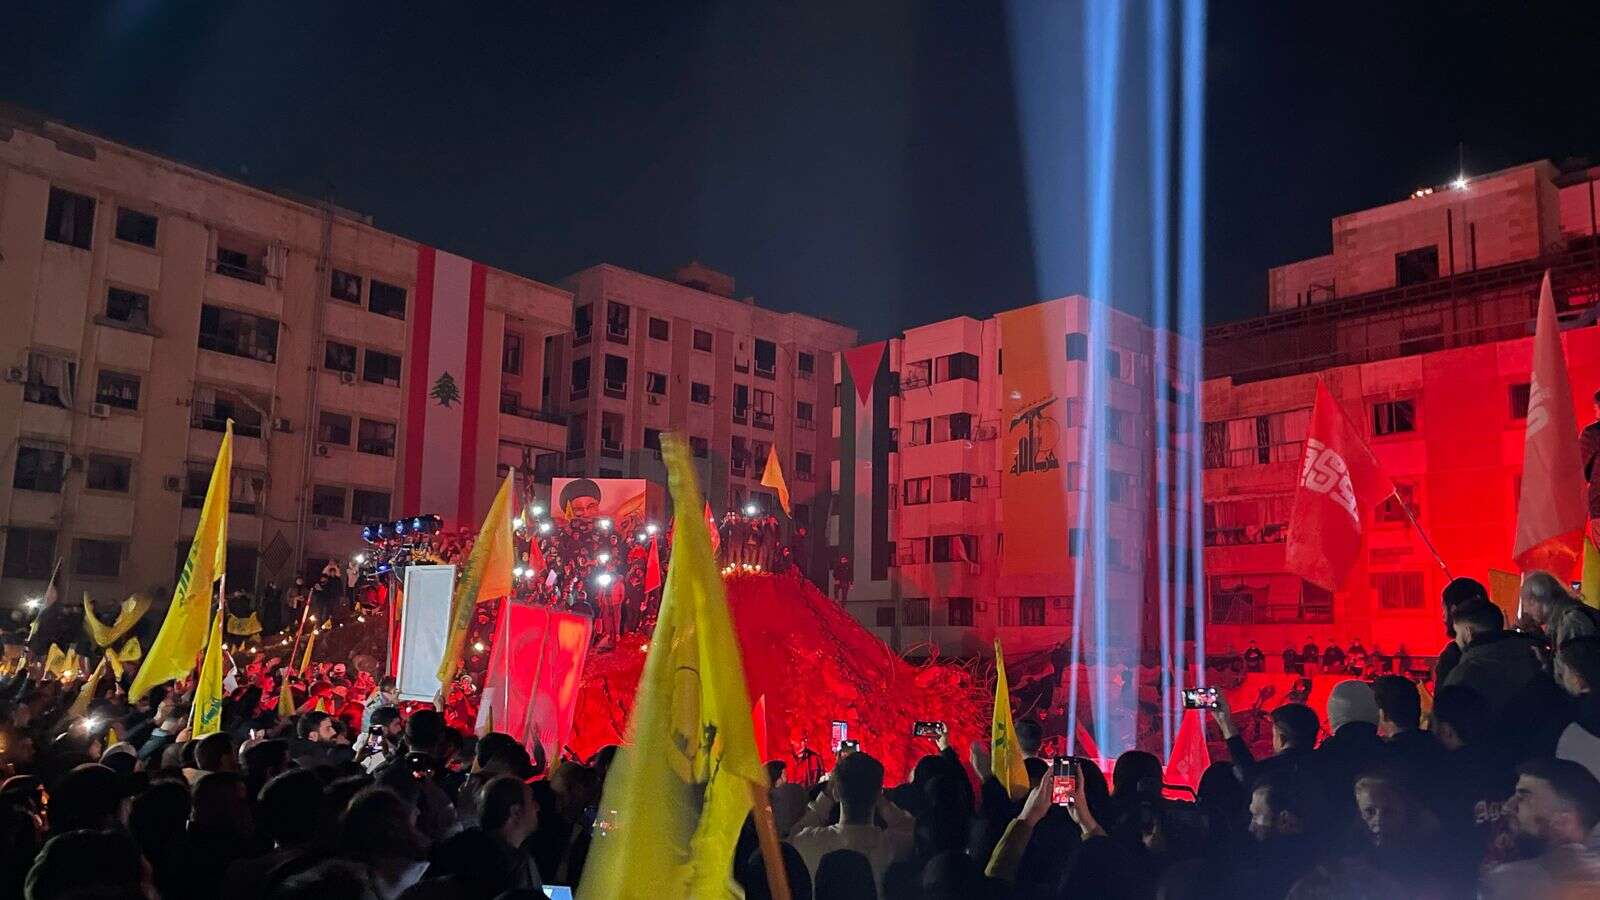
[
  {"x": 100, "y": 410},
  {"x": 347, "y": 378},
  {"x": 15, "y": 374},
  {"x": 322, "y": 450},
  {"x": 172, "y": 483},
  {"x": 980, "y": 481},
  {"x": 283, "y": 425},
  {"x": 987, "y": 432},
  {"x": 320, "y": 523}
]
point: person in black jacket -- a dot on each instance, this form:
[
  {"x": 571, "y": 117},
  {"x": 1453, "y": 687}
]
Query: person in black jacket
[
  {"x": 1459, "y": 592},
  {"x": 1475, "y": 772},
  {"x": 1494, "y": 662},
  {"x": 1294, "y": 734}
]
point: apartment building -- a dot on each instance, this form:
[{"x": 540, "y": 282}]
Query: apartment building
[
  {"x": 935, "y": 471},
  {"x": 1420, "y": 320},
  {"x": 150, "y": 301},
  {"x": 646, "y": 355}
]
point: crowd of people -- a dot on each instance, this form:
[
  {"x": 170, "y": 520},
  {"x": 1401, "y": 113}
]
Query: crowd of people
[{"x": 1310, "y": 659}]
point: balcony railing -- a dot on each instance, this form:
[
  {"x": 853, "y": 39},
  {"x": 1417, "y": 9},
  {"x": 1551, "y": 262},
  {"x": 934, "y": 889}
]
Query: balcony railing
[
  {"x": 804, "y": 476},
  {"x": 526, "y": 412},
  {"x": 617, "y": 334},
  {"x": 768, "y": 372},
  {"x": 805, "y": 424},
  {"x": 762, "y": 420},
  {"x": 252, "y": 273},
  {"x": 214, "y": 417},
  {"x": 741, "y": 414},
  {"x": 579, "y": 338},
  {"x": 617, "y": 389},
  {"x": 611, "y": 449}
]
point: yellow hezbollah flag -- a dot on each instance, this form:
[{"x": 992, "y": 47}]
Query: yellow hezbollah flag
[
  {"x": 1591, "y": 573},
  {"x": 183, "y": 632},
  {"x": 205, "y": 715},
  {"x": 487, "y": 576},
  {"x": 55, "y": 662},
  {"x": 1005, "y": 754},
  {"x": 285, "y": 697},
  {"x": 80, "y": 705},
  {"x": 244, "y": 627},
  {"x": 773, "y": 478},
  {"x": 305, "y": 661},
  {"x": 681, "y": 787},
  {"x": 128, "y": 615}
]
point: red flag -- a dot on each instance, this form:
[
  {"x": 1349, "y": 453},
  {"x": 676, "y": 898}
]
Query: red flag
[
  {"x": 711, "y": 526},
  {"x": 536, "y": 560},
  {"x": 758, "y": 715},
  {"x": 652, "y": 568},
  {"x": 1086, "y": 745},
  {"x": 1190, "y": 756},
  {"x": 1551, "y": 512},
  {"x": 1340, "y": 483}
]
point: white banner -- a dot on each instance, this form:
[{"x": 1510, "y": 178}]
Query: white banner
[{"x": 424, "y": 623}]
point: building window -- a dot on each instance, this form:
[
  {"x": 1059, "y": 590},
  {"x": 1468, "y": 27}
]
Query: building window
[
  {"x": 345, "y": 286},
  {"x": 1077, "y": 347},
  {"x": 659, "y": 329},
  {"x": 955, "y": 367},
  {"x": 804, "y": 412},
  {"x": 511, "y": 354},
  {"x": 611, "y": 435},
  {"x": 616, "y": 377},
  {"x": 700, "y": 446},
  {"x": 337, "y": 357},
  {"x": 1416, "y": 266},
  {"x": 702, "y": 341},
  {"x": 213, "y": 407},
  {"x": 136, "y": 227},
  {"x": 577, "y": 435},
  {"x": 238, "y": 334},
  {"x": 919, "y": 432},
  {"x": 109, "y": 473},
  {"x": 960, "y": 426},
  {"x": 242, "y": 258},
  {"x": 128, "y": 307},
  {"x": 39, "y": 469},
  {"x": 738, "y": 455},
  {"x": 30, "y": 553},
  {"x": 580, "y": 378},
  {"x": 246, "y": 490},
  {"x": 381, "y": 368},
  {"x": 96, "y": 559},
  {"x": 805, "y": 363},
  {"x": 652, "y": 439},
  {"x": 618, "y": 316},
  {"x": 655, "y": 382},
  {"x": 916, "y": 609},
  {"x": 387, "y": 299},
  {"x": 50, "y": 380},
  {"x": 1030, "y": 611},
  {"x": 116, "y": 389},
  {"x": 1254, "y": 520},
  {"x": 1256, "y": 440},
  {"x": 69, "y": 219},
  {"x": 761, "y": 413},
  {"x": 333, "y": 428},
  {"x": 741, "y": 403},
  {"x": 1391, "y": 511},
  {"x": 327, "y": 500},
  {"x": 916, "y": 491},
  {"x": 1394, "y": 417},
  {"x": 883, "y": 618},
  {"x": 1114, "y": 365},
  {"x": 699, "y": 393},
  {"x": 802, "y": 463},
  {"x": 955, "y": 548},
  {"x": 582, "y": 324},
  {"x": 960, "y": 486},
  {"x": 766, "y": 358},
  {"x": 368, "y": 506},
  {"x": 376, "y": 438},
  {"x": 1398, "y": 590},
  {"x": 1518, "y": 396},
  {"x": 959, "y": 612}
]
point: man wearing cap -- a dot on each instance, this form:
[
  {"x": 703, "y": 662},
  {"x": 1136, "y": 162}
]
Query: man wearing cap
[{"x": 1353, "y": 744}]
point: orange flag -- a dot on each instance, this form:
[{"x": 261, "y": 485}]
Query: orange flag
[
  {"x": 711, "y": 526},
  {"x": 1551, "y": 511},
  {"x": 773, "y": 478}
]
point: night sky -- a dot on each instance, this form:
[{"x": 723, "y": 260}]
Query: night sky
[{"x": 858, "y": 161}]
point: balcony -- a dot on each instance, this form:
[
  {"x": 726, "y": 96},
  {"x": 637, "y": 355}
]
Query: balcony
[
  {"x": 762, "y": 420},
  {"x": 513, "y": 408},
  {"x": 581, "y": 337},
  {"x": 616, "y": 334},
  {"x": 617, "y": 390},
  {"x": 239, "y": 267},
  {"x": 805, "y": 424},
  {"x": 767, "y": 372},
  {"x": 215, "y": 416},
  {"x": 741, "y": 415},
  {"x": 611, "y": 449}
]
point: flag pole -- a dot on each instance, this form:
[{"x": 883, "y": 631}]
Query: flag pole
[
  {"x": 767, "y": 837},
  {"x": 1410, "y": 516}
]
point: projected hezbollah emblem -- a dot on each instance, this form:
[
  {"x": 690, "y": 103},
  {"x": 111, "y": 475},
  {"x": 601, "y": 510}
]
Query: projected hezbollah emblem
[
  {"x": 1326, "y": 473},
  {"x": 1034, "y": 453},
  {"x": 445, "y": 390}
]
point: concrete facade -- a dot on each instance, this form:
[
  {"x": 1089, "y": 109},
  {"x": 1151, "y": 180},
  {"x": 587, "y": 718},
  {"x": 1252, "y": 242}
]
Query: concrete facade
[
  {"x": 112, "y": 261},
  {"x": 647, "y": 355}
]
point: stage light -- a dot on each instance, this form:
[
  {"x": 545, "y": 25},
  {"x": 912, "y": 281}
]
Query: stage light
[
  {"x": 750, "y": 509},
  {"x": 544, "y": 527},
  {"x": 603, "y": 579},
  {"x": 537, "y": 510},
  {"x": 34, "y": 603},
  {"x": 603, "y": 557},
  {"x": 651, "y": 528},
  {"x": 605, "y": 524},
  {"x": 400, "y": 527},
  {"x": 361, "y": 618},
  {"x": 639, "y": 537},
  {"x": 478, "y": 646},
  {"x": 517, "y": 523},
  {"x": 516, "y": 572},
  {"x": 360, "y": 558},
  {"x": 384, "y": 530},
  {"x": 1460, "y": 183},
  {"x": 368, "y": 533}
]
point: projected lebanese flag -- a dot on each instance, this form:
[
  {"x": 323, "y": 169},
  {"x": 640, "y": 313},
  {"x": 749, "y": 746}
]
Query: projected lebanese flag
[
  {"x": 444, "y": 392},
  {"x": 1340, "y": 484}
]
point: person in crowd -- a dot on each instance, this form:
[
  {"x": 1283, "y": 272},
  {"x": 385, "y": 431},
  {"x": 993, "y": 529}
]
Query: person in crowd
[
  {"x": 1577, "y": 668},
  {"x": 1400, "y": 724},
  {"x": 378, "y": 831},
  {"x": 387, "y": 695},
  {"x": 1459, "y": 592},
  {"x": 221, "y": 831},
  {"x": 378, "y": 745},
  {"x": 1355, "y": 657},
  {"x": 1310, "y": 653},
  {"x": 856, "y": 790},
  {"x": 1254, "y": 659},
  {"x": 317, "y": 741},
  {"x": 1291, "y": 661},
  {"x": 1555, "y": 809},
  {"x": 1494, "y": 662},
  {"x": 89, "y": 863},
  {"x": 1548, "y": 604},
  {"x": 1286, "y": 822},
  {"x": 488, "y": 859},
  {"x": 1403, "y": 838},
  {"x": 1294, "y": 737},
  {"x": 1352, "y": 746},
  {"x": 1332, "y": 658},
  {"x": 282, "y": 813},
  {"x": 1475, "y": 775}
]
